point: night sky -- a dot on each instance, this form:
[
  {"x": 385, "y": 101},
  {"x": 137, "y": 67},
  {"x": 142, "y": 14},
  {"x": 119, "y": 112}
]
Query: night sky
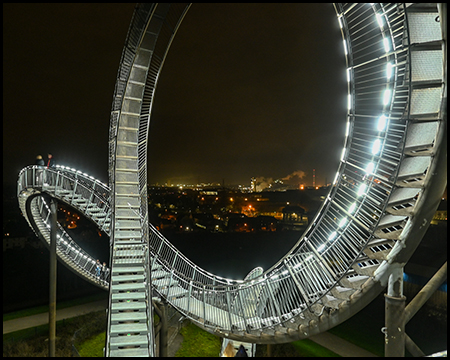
[{"x": 247, "y": 90}]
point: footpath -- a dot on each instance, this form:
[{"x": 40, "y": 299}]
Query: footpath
[
  {"x": 327, "y": 340},
  {"x": 61, "y": 314}
]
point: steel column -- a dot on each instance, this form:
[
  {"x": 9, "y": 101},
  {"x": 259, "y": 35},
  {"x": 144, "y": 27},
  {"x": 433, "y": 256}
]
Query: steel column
[
  {"x": 52, "y": 292},
  {"x": 395, "y": 315}
]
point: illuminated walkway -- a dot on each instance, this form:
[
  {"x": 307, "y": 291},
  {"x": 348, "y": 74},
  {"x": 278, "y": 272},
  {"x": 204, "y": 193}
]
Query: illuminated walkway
[{"x": 391, "y": 176}]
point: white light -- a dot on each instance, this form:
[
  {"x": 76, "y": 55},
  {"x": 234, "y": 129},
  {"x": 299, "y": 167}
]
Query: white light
[
  {"x": 345, "y": 47},
  {"x": 340, "y": 23},
  {"x": 349, "y": 101},
  {"x": 321, "y": 247},
  {"x": 342, "y": 155},
  {"x": 380, "y": 21},
  {"x": 387, "y": 97},
  {"x": 309, "y": 257},
  {"x": 348, "y": 75},
  {"x": 343, "y": 222},
  {"x": 347, "y": 128},
  {"x": 332, "y": 236},
  {"x": 370, "y": 167},
  {"x": 381, "y": 123},
  {"x": 386, "y": 44},
  {"x": 388, "y": 70},
  {"x": 335, "y": 178},
  {"x": 376, "y": 146},
  {"x": 362, "y": 189}
]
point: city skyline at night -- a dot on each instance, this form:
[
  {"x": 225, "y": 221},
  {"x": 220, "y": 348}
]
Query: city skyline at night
[{"x": 238, "y": 96}]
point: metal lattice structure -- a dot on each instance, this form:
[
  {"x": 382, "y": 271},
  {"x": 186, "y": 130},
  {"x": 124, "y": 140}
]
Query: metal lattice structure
[{"x": 388, "y": 185}]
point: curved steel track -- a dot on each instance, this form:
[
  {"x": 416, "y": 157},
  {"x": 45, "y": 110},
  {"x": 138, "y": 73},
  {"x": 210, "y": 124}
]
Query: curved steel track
[{"x": 388, "y": 185}]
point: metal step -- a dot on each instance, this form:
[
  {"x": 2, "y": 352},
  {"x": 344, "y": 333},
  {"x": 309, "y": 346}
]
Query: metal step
[
  {"x": 132, "y": 295},
  {"x": 164, "y": 283},
  {"x": 159, "y": 274},
  {"x": 127, "y": 234},
  {"x": 413, "y": 167},
  {"x": 176, "y": 291},
  {"x": 132, "y": 340},
  {"x": 130, "y": 328},
  {"x": 140, "y": 316},
  {"x": 127, "y": 224},
  {"x": 354, "y": 281},
  {"x": 131, "y": 269},
  {"x": 342, "y": 293},
  {"x": 133, "y": 352},
  {"x": 128, "y": 261},
  {"x": 126, "y": 278},
  {"x": 128, "y": 305},
  {"x": 133, "y": 253},
  {"x": 128, "y": 286}
]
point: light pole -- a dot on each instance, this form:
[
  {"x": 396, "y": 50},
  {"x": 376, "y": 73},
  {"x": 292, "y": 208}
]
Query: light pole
[{"x": 52, "y": 293}]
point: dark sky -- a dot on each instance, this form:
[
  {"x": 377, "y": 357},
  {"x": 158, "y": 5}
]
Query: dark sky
[{"x": 246, "y": 90}]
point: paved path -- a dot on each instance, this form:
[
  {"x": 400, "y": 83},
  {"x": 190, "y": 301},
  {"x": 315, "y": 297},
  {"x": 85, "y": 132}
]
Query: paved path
[
  {"x": 326, "y": 339},
  {"x": 340, "y": 346},
  {"x": 41, "y": 319}
]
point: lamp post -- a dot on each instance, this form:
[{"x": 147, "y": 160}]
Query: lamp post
[{"x": 52, "y": 293}]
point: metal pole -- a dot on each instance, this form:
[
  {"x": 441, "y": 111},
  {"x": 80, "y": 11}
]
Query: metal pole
[
  {"x": 163, "y": 335},
  {"x": 52, "y": 294},
  {"x": 425, "y": 293},
  {"x": 412, "y": 347},
  {"x": 162, "y": 328},
  {"x": 395, "y": 315}
]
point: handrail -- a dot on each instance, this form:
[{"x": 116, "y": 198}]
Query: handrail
[{"x": 32, "y": 177}]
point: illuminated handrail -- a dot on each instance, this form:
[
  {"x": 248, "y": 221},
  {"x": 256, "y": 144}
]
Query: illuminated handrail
[
  {"x": 332, "y": 251},
  {"x": 77, "y": 259},
  {"x": 57, "y": 180}
]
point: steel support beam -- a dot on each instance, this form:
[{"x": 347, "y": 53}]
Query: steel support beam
[
  {"x": 162, "y": 327},
  {"x": 425, "y": 293},
  {"x": 395, "y": 315}
]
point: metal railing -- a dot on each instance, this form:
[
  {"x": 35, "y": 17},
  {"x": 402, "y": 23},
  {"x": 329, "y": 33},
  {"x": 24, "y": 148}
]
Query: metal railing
[
  {"x": 300, "y": 285},
  {"x": 67, "y": 184}
]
